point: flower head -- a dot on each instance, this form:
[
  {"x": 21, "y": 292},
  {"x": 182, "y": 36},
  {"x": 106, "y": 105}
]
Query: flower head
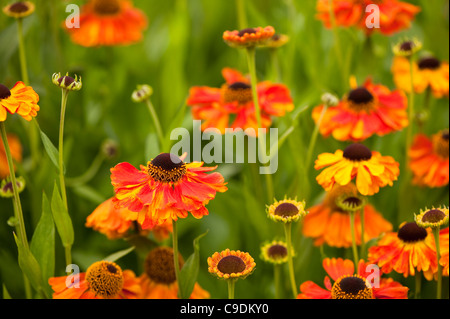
[
  {"x": 328, "y": 223},
  {"x": 395, "y": 15},
  {"x": 429, "y": 159},
  {"x": 370, "y": 169},
  {"x": 102, "y": 280},
  {"x": 142, "y": 93},
  {"x": 351, "y": 284},
  {"x": 231, "y": 106},
  {"x": 286, "y": 211},
  {"x": 351, "y": 203},
  {"x": 119, "y": 222},
  {"x": 433, "y": 218},
  {"x": 19, "y": 9},
  {"x": 21, "y": 99},
  {"x": 6, "y": 187},
  {"x": 249, "y": 37},
  {"x": 165, "y": 189},
  {"x": 406, "y": 251},
  {"x": 407, "y": 48},
  {"x": 367, "y": 110},
  {"x": 158, "y": 280},
  {"x": 67, "y": 82},
  {"x": 109, "y": 23},
  {"x": 275, "y": 252},
  {"x": 428, "y": 72},
  {"x": 231, "y": 264}
]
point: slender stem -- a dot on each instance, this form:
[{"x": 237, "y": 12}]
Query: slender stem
[
  {"x": 89, "y": 174},
  {"x": 231, "y": 284},
  {"x": 65, "y": 94},
  {"x": 411, "y": 111},
  {"x": 352, "y": 228},
  {"x": 22, "y": 55},
  {"x": 418, "y": 285},
  {"x": 314, "y": 135},
  {"x": 276, "y": 276},
  {"x": 156, "y": 121},
  {"x": 242, "y": 17},
  {"x": 438, "y": 256},
  {"x": 20, "y": 228},
  {"x": 363, "y": 227},
  {"x": 288, "y": 232},
  {"x": 251, "y": 53},
  {"x": 176, "y": 261}
]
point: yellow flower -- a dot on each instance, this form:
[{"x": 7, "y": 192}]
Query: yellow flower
[
  {"x": 19, "y": 9},
  {"x": 21, "y": 99},
  {"x": 286, "y": 210},
  {"x": 432, "y": 218},
  {"x": 275, "y": 252},
  {"x": 231, "y": 264}
]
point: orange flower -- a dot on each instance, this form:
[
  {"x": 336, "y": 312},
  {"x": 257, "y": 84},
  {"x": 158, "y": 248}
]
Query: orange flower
[
  {"x": 428, "y": 72},
  {"x": 102, "y": 280},
  {"x": 167, "y": 187},
  {"x": 329, "y": 224},
  {"x": 159, "y": 281},
  {"x": 216, "y": 106},
  {"x": 231, "y": 264},
  {"x": 108, "y": 23},
  {"x": 429, "y": 159},
  {"x": 370, "y": 169},
  {"x": 348, "y": 285},
  {"x": 21, "y": 99},
  {"x": 249, "y": 37},
  {"x": 444, "y": 245},
  {"x": 117, "y": 222},
  {"x": 409, "y": 250},
  {"x": 365, "y": 111},
  {"x": 16, "y": 153},
  {"x": 395, "y": 15}
]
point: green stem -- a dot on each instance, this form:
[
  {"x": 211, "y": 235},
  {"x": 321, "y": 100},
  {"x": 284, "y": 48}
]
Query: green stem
[
  {"x": 89, "y": 174},
  {"x": 352, "y": 229},
  {"x": 251, "y": 53},
  {"x": 288, "y": 232},
  {"x": 231, "y": 284},
  {"x": 438, "y": 256},
  {"x": 411, "y": 112},
  {"x": 418, "y": 285},
  {"x": 363, "y": 242},
  {"x": 156, "y": 122},
  {"x": 65, "y": 94},
  {"x": 242, "y": 17},
  {"x": 276, "y": 276},
  {"x": 22, "y": 55},
  {"x": 176, "y": 261},
  {"x": 314, "y": 136},
  {"x": 20, "y": 228}
]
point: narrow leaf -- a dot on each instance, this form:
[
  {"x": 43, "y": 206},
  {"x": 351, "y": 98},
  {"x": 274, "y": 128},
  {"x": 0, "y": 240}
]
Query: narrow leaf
[
  {"x": 51, "y": 150},
  {"x": 117, "y": 255},
  {"x": 43, "y": 242},
  {"x": 62, "y": 219},
  {"x": 189, "y": 272}
]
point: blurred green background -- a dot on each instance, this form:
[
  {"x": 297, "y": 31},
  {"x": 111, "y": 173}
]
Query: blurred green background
[{"x": 183, "y": 47}]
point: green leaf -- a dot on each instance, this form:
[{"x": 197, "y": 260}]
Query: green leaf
[
  {"x": 51, "y": 150},
  {"x": 189, "y": 272},
  {"x": 117, "y": 255},
  {"x": 43, "y": 242},
  {"x": 29, "y": 266},
  {"x": 62, "y": 219}
]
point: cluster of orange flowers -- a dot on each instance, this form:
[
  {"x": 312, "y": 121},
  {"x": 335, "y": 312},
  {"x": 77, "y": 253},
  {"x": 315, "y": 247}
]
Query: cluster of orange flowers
[{"x": 150, "y": 198}]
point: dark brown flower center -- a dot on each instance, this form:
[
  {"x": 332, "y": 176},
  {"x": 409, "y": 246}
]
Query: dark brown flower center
[
  {"x": 166, "y": 168},
  {"x": 231, "y": 264},
  {"x": 277, "y": 251},
  {"x": 159, "y": 265},
  {"x": 106, "y": 7},
  {"x": 239, "y": 92},
  {"x": 67, "y": 80},
  {"x": 433, "y": 216},
  {"x": 357, "y": 152},
  {"x": 105, "y": 279},
  {"x": 429, "y": 63},
  {"x": 441, "y": 144},
  {"x": 360, "y": 96},
  {"x": 18, "y": 7},
  {"x": 407, "y": 46},
  {"x": 246, "y": 31},
  {"x": 351, "y": 287},
  {"x": 4, "y": 92},
  {"x": 352, "y": 202},
  {"x": 286, "y": 210},
  {"x": 411, "y": 233}
]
